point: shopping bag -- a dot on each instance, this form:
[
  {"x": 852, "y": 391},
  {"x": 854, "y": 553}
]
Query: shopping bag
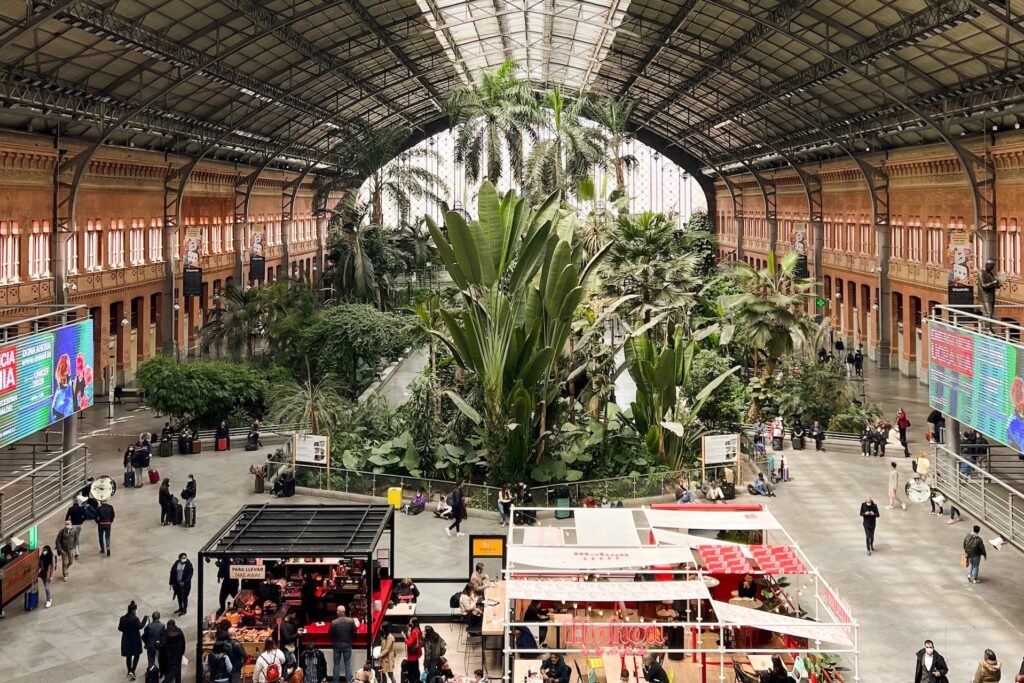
[{"x": 963, "y": 560}]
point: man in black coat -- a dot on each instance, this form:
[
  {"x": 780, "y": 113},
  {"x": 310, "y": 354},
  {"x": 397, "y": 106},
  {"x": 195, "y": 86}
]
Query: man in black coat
[
  {"x": 931, "y": 666},
  {"x": 151, "y": 637},
  {"x": 869, "y": 513},
  {"x": 180, "y": 582},
  {"x": 653, "y": 671}
]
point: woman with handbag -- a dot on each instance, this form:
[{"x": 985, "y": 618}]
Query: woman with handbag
[{"x": 386, "y": 656}]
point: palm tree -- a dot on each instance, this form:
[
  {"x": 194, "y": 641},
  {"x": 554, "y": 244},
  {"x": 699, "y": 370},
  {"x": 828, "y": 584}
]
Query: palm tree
[
  {"x": 614, "y": 114},
  {"x": 318, "y": 403},
  {"x": 414, "y": 239},
  {"x": 379, "y": 156},
  {"x": 361, "y": 257},
  {"x": 569, "y": 149},
  {"x": 645, "y": 259},
  {"x": 236, "y": 321},
  {"x": 770, "y": 315},
  {"x": 288, "y": 306},
  {"x": 492, "y": 117}
]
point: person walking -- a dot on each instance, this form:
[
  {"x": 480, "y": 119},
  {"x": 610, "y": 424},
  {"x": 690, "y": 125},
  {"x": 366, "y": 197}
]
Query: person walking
[
  {"x": 171, "y": 650},
  {"x": 64, "y": 544},
  {"x": 989, "y": 669},
  {"x": 151, "y": 637},
  {"x": 228, "y": 586},
  {"x": 858, "y": 363},
  {"x": 894, "y": 483},
  {"x": 869, "y": 513},
  {"x": 457, "y": 501},
  {"x": 387, "y": 652},
  {"x": 902, "y": 423},
  {"x": 105, "y": 520},
  {"x": 166, "y": 501},
  {"x": 504, "y": 504},
  {"x": 931, "y": 666},
  {"x": 849, "y": 364},
  {"x": 974, "y": 550},
  {"x": 131, "y": 638},
  {"x": 180, "y": 582},
  {"x": 47, "y": 560},
  {"x": 342, "y": 632},
  {"x": 188, "y": 494},
  {"x": 76, "y": 515},
  {"x": 236, "y": 653}
]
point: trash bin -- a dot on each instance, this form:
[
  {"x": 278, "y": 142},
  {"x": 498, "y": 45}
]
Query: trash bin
[
  {"x": 395, "y": 497},
  {"x": 562, "y": 502}
]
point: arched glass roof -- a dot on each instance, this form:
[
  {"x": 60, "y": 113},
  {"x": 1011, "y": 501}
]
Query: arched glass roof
[{"x": 726, "y": 81}]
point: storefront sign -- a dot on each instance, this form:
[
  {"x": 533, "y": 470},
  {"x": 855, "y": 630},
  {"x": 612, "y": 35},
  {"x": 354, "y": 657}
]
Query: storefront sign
[
  {"x": 248, "y": 571},
  {"x": 488, "y": 547},
  {"x": 583, "y": 632},
  {"x": 17, "y": 576}
]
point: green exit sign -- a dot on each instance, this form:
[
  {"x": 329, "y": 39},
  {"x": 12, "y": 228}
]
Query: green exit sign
[{"x": 820, "y": 302}]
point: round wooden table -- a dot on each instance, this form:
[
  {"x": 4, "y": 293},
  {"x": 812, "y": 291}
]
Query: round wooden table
[{"x": 746, "y": 602}]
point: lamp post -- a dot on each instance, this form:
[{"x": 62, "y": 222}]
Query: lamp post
[{"x": 174, "y": 331}]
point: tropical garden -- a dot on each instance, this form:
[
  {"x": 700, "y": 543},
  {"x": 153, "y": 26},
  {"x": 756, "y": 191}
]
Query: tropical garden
[{"x": 533, "y": 309}]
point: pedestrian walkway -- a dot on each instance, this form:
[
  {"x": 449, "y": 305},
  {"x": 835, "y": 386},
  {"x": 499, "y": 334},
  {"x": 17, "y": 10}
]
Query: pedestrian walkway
[
  {"x": 912, "y": 588},
  {"x": 76, "y": 640}
]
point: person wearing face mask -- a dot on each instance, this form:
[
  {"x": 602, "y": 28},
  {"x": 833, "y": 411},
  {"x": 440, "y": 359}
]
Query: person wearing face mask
[
  {"x": 181, "y": 582},
  {"x": 931, "y": 666}
]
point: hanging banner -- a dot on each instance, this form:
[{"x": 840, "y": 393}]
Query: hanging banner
[
  {"x": 257, "y": 259},
  {"x": 959, "y": 257},
  {"x": 800, "y": 249},
  {"x": 191, "y": 271}
]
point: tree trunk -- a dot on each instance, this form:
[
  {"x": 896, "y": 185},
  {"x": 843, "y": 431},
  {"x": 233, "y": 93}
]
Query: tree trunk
[
  {"x": 377, "y": 217},
  {"x": 620, "y": 177}
]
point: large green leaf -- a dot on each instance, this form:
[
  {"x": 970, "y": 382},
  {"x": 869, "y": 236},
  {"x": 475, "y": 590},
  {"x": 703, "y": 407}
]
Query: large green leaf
[
  {"x": 464, "y": 245},
  {"x": 444, "y": 250},
  {"x": 466, "y": 409},
  {"x": 490, "y": 241}
]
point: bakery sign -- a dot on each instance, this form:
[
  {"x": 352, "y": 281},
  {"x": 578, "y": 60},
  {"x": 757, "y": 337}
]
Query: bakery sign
[{"x": 248, "y": 571}]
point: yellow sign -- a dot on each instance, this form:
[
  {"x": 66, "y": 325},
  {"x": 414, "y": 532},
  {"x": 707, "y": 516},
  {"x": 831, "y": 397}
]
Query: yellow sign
[{"x": 488, "y": 547}]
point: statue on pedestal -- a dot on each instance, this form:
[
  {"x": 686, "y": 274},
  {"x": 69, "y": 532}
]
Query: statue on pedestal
[{"x": 988, "y": 283}]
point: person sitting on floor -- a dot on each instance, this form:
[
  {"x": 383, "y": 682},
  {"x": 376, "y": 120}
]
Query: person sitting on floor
[
  {"x": 443, "y": 509},
  {"x": 417, "y": 505}
]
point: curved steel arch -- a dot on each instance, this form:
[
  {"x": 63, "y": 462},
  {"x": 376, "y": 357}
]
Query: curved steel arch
[{"x": 984, "y": 206}]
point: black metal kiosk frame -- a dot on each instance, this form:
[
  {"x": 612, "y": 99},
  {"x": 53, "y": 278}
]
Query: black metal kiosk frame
[{"x": 282, "y": 532}]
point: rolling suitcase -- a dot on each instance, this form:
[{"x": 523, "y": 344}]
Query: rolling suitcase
[
  {"x": 129, "y": 478},
  {"x": 197, "y": 446},
  {"x": 154, "y": 476},
  {"x": 31, "y": 600},
  {"x": 153, "y": 675},
  {"x": 260, "y": 484},
  {"x": 222, "y": 444},
  {"x": 190, "y": 516},
  {"x": 177, "y": 512}
]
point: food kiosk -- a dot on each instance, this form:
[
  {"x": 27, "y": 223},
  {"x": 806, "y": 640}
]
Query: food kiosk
[
  {"x": 617, "y": 585},
  {"x": 341, "y": 553}
]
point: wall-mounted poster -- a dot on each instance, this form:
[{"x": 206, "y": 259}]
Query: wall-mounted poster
[
  {"x": 800, "y": 249},
  {"x": 191, "y": 271}
]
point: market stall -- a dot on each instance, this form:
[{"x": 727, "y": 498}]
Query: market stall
[
  {"x": 615, "y": 585},
  {"x": 305, "y": 560}
]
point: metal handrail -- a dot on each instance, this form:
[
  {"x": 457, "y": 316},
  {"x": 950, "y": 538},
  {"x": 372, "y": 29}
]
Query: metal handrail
[
  {"x": 35, "y": 493},
  {"x": 60, "y": 311},
  {"x": 992, "y": 501},
  {"x": 980, "y": 324}
]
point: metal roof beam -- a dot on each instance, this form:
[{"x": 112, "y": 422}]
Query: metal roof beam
[
  {"x": 663, "y": 40},
  {"x": 546, "y": 38},
  {"x": 935, "y": 18},
  {"x": 446, "y": 35},
  {"x": 506, "y": 41},
  {"x": 780, "y": 14},
  {"x": 38, "y": 12},
  {"x": 389, "y": 44},
  {"x": 46, "y": 97},
  {"x": 328, "y": 63}
]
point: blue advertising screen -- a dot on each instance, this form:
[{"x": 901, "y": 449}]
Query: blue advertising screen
[
  {"x": 978, "y": 380},
  {"x": 44, "y": 378}
]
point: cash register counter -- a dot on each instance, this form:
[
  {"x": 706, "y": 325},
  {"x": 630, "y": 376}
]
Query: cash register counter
[{"x": 317, "y": 633}]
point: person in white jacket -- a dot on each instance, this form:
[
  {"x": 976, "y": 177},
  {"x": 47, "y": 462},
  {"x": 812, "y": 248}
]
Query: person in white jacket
[{"x": 270, "y": 656}]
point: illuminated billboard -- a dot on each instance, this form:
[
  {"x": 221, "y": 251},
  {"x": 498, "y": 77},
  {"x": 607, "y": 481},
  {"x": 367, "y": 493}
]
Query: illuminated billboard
[
  {"x": 44, "y": 378},
  {"x": 977, "y": 380}
]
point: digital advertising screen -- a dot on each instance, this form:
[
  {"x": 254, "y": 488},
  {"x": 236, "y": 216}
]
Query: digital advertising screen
[
  {"x": 979, "y": 381},
  {"x": 44, "y": 378}
]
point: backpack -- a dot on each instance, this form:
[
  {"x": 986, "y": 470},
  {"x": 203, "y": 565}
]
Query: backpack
[
  {"x": 273, "y": 670},
  {"x": 217, "y": 666},
  {"x": 450, "y": 500},
  {"x": 453, "y": 601}
]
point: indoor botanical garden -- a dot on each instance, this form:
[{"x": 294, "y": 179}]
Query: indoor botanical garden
[{"x": 511, "y": 341}]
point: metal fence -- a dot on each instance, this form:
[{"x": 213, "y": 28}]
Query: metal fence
[
  {"x": 485, "y": 497},
  {"x": 995, "y": 503},
  {"x": 39, "y": 489}
]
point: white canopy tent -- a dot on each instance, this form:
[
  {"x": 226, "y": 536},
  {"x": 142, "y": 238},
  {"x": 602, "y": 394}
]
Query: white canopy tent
[{"x": 614, "y": 545}]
